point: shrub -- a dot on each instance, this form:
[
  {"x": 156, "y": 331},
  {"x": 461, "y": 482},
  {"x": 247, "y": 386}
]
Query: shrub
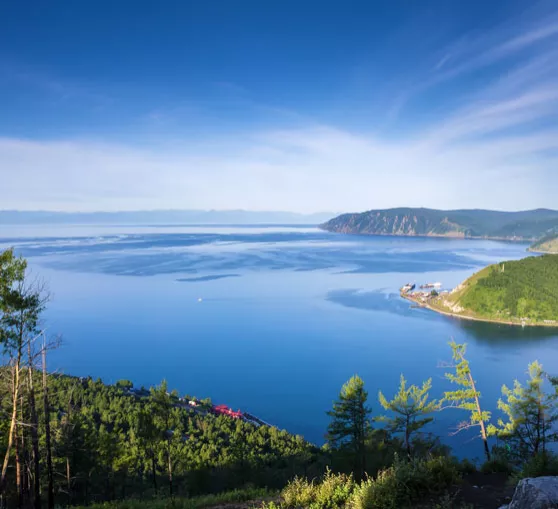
[
  {"x": 497, "y": 464},
  {"x": 406, "y": 483},
  {"x": 333, "y": 491},
  {"x": 466, "y": 466},
  {"x": 545, "y": 463}
]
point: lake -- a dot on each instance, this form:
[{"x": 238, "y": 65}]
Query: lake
[{"x": 271, "y": 320}]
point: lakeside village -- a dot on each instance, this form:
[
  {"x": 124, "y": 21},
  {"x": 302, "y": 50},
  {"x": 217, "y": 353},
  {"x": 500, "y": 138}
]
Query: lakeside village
[
  {"x": 430, "y": 295},
  {"x": 427, "y": 292}
]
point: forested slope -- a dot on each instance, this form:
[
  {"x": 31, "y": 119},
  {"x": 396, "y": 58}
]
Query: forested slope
[
  {"x": 112, "y": 441},
  {"x": 526, "y": 225},
  {"x": 514, "y": 290}
]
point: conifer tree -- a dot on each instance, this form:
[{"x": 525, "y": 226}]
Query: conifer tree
[
  {"x": 467, "y": 397},
  {"x": 411, "y": 407},
  {"x": 530, "y": 415},
  {"x": 350, "y": 423}
]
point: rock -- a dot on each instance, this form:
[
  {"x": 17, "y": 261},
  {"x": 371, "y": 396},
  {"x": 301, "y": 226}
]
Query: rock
[{"x": 536, "y": 493}]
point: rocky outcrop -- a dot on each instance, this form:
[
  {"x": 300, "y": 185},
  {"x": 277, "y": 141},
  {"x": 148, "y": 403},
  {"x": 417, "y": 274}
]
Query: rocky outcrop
[{"x": 535, "y": 493}]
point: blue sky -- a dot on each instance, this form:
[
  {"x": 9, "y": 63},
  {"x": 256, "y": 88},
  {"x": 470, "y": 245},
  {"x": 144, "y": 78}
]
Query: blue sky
[{"x": 292, "y": 105}]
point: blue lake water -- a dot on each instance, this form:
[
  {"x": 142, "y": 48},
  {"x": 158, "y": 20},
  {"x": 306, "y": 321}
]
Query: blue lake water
[{"x": 271, "y": 320}]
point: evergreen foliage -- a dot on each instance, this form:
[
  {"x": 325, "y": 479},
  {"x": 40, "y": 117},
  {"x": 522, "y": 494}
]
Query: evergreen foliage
[
  {"x": 530, "y": 414},
  {"x": 350, "y": 423},
  {"x": 411, "y": 408},
  {"x": 467, "y": 397}
]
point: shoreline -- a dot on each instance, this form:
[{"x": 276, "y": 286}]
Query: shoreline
[
  {"x": 432, "y": 236},
  {"x": 473, "y": 318}
]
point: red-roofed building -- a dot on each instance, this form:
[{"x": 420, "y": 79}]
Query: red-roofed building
[{"x": 225, "y": 410}]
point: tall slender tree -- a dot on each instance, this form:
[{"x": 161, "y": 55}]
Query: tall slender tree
[
  {"x": 350, "y": 423},
  {"x": 411, "y": 408},
  {"x": 467, "y": 397},
  {"x": 530, "y": 414}
]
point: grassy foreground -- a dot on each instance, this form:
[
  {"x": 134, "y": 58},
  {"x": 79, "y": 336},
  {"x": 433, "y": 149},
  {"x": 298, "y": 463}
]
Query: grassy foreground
[{"x": 255, "y": 495}]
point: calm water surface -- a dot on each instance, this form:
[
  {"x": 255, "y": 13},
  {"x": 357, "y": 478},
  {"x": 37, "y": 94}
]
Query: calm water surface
[{"x": 287, "y": 314}]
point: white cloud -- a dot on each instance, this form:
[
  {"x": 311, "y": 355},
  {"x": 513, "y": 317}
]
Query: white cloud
[{"x": 497, "y": 150}]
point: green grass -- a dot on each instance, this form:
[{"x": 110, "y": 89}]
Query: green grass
[{"x": 236, "y": 496}]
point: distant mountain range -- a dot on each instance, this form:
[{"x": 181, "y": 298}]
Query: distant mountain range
[
  {"x": 488, "y": 224},
  {"x": 162, "y": 217}
]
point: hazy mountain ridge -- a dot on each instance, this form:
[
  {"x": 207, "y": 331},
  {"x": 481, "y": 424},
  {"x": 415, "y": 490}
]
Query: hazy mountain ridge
[
  {"x": 525, "y": 225},
  {"x": 162, "y": 217}
]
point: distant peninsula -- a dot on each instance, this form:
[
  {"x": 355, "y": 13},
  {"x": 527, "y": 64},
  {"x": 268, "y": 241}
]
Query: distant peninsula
[
  {"x": 520, "y": 292},
  {"x": 548, "y": 244},
  {"x": 528, "y": 225}
]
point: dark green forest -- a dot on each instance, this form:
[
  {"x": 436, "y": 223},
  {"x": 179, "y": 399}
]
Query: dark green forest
[
  {"x": 115, "y": 442},
  {"x": 519, "y": 289}
]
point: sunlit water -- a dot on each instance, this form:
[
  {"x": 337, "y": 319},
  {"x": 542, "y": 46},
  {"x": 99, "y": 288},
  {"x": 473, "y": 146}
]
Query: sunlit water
[{"x": 269, "y": 320}]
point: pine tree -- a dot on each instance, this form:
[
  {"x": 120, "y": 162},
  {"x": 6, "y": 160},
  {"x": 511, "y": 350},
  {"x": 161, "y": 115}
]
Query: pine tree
[
  {"x": 467, "y": 397},
  {"x": 530, "y": 415},
  {"x": 350, "y": 424},
  {"x": 411, "y": 407}
]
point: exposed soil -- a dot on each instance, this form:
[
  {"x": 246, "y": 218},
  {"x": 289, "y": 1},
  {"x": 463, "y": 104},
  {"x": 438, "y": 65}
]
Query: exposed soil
[{"x": 485, "y": 491}]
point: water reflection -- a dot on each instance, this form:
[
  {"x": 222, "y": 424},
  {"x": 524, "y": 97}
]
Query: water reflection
[{"x": 496, "y": 334}]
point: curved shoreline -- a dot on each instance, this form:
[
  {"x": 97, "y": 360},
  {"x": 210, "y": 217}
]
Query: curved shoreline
[{"x": 473, "y": 318}]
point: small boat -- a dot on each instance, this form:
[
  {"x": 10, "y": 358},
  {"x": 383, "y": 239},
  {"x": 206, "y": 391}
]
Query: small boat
[{"x": 409, "y": 287}]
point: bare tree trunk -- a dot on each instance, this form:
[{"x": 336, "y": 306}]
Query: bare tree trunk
[
  {"x": 19, "y": 486},
  {"x": 481, "y": 421},
  {"x": 154, "y": 472},
  {"x": 47, "y": 433},
  {"x": 34, "y": 432},
  {"x": 408, "y": 437},
  {"x": 12, "y": 438},
  {"x": 68, "y": 480},
  {"x": 169, "y": 467}
]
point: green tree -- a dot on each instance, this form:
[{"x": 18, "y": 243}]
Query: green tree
[
  {"x": 467, "y": 397},
  {"x": 530, "y": 415},
  {"x": 21, "y": 304},
  {"x": 165, "y": 419},
  {"x": 411, "y": 407},
  {"x": 350, "y": 423}
]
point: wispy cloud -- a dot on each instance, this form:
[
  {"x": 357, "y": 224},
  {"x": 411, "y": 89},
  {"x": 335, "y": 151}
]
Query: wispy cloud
[{"x": 496, "y": 148}]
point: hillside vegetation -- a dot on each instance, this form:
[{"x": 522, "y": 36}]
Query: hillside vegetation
[
  {"x": 512, "y": 290},
  {"x": 548, "y": 244},
  {"x": 528, "y": 225}
]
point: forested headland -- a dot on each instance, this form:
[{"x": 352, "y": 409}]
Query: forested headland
[
  {"x": 69, "y": 441},
  {"x": 488, "y": 224},
  {"x": 518, "y": 291}
]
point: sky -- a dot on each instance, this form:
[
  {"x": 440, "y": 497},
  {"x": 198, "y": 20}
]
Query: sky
[{"x": 307, "y": 106}]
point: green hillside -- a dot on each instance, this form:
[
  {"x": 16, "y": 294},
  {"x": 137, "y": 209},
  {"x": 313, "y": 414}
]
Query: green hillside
[
  {"x": 526, "y": 225},
  {"x": 510, "y": 291},
  {"x": 548, "y": 244},
  {"x": 114, "y": 440}
]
